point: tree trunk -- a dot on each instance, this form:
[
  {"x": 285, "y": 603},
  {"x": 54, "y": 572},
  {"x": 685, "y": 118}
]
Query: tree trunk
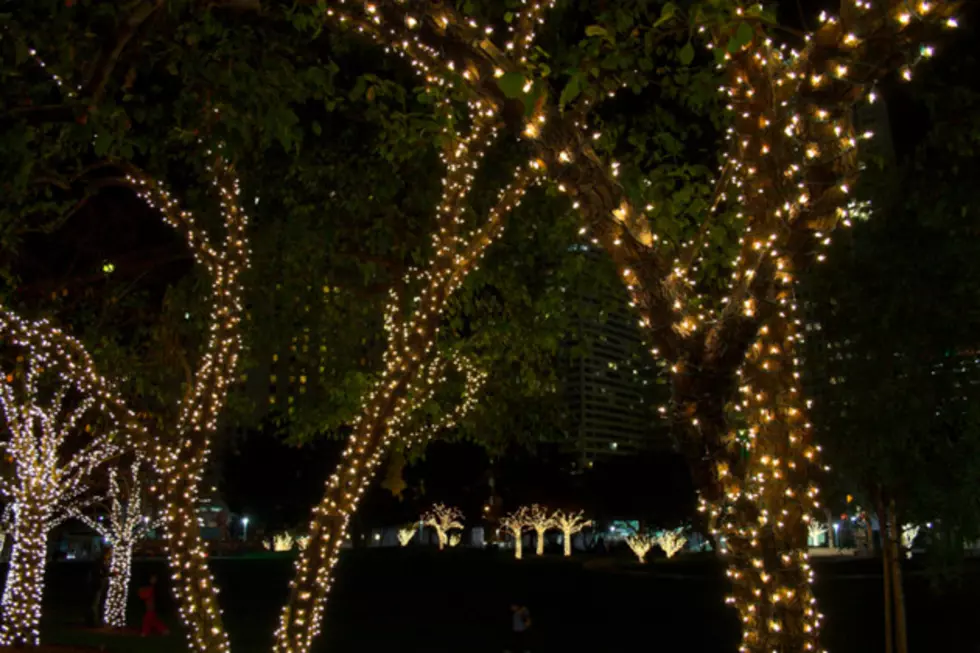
[
  {"x": 886, "y": 574},
  {"x": 442, "y": 537},
  {"x": 120, "y": 570},
  {"x": 518, "y": 546},
  {"x": 755, "y": 489},
  {"x": 21, "y": 612},
  {"x": 567, "y": 536},
  {"x": 194, "y": 588},
  {"x": 539, "y": 550},
  {"x": 898, "y": 594},
  {"x": 300, "y": 619}
]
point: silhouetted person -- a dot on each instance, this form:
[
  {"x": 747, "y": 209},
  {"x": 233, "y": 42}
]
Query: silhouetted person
[
  {"x": 151, "y": 621},
  {"x": 520, "y": 624}
]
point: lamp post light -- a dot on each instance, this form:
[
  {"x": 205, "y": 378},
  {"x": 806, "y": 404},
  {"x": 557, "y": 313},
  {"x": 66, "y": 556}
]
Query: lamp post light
[
  {"x": 244, "y": 529},
  {"x": 836, "y": 537}
]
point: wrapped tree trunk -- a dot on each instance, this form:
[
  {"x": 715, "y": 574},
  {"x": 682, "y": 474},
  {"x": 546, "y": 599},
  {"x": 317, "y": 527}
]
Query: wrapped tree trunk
[
  {"x": 21, "y": 613},
  {"x": 886, "y": 563},
  {"x": 181, "y": 455},
  {"x": 411, "y": 350},
  {"x": 187, "y": 556},
  {"x": 117, "y": 594}
]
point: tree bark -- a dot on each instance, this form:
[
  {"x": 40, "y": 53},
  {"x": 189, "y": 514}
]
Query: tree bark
[
  {"x": 567, "y": 536},
  {"x": 518, "y": 546},
  {"x": 886, "y": 574},
  {"x": 121, "y": 568},
  {"x": 21, "y": 611},
  {"x": 300, "y": 619},
  {"x": 539, "y": 549},
  {"x": 194, "y": 588},
  {"x": 898, "y": 593}
]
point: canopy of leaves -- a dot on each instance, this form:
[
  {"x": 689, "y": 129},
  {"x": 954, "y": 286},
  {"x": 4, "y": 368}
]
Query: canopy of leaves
[{"x": 892, "y": 345}]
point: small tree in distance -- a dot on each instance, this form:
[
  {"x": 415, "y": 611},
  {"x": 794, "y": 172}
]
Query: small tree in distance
[
  {"x": 128, "y": 523},
  {"x": 516, "y": 522},
  {"x": 570, "y": 523},
  {"x": 816, "y": 530},
  {"x": 405, "y": 534},
  {"x": 672, "y": 541},
  {"x": 443, "y": 519},
  {"x": 640, "y": 543},
  {"x": 539, "y": 519}
]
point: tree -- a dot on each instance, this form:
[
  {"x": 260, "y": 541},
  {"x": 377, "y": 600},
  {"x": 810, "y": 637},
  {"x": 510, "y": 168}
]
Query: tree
[
  {"x": 128, "y": 523},
  {"x": 406, "y": 533},
  {"x": 789, "y": 170},
  {"x": 412, "y": 328},
  {"x": 640, "y": 544},
  {"x": 63, "y": 421},
  {"x": 815, "y": 531},
  {"x": 671, "y": 541},
  {"x": 516, "y": 522},
  {"x": 892, "y": 331},
  {"x": 541, "y": 521},
  {"x": 443, "y": 519},
  {"x": 180, "y": 454},
  {"x": 570, "y": 523}
]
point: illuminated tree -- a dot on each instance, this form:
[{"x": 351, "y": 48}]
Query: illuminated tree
[
  {"x": 541, "y": 521},
  {"x": 412, "y": 328},
  {"x": 816, "y": 530},
  {"x": 455, "y": 539},
  {"x": 570, "y": 523},
  {"x": 302, "y": 542},
  {"x": 516, "y": 523},
  {"x": 281, "y": 542},
  {"x": 180, "y": 455},
  {"x": 672, "y": 541},
  {"x": 640, "y": 544},
  {"x": 909, "y": 533},
  {"x": 128, "y": 523},
  {"x": 443, "y": 519},
  {"x": 792, "y": 161},
  {"x": 406, "y": 533},
  {"x": 62, "y": 421}
]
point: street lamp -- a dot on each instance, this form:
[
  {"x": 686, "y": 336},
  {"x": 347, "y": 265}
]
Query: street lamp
[
  {"x": 244, "y": 528},
  {"x": 836, "y": 537}
]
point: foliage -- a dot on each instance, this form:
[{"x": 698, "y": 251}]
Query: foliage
[{"x": 892, "y": 346}]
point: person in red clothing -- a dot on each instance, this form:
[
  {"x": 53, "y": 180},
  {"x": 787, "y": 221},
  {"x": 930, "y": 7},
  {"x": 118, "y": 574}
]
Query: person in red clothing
[{"x": 151, "y": 622}]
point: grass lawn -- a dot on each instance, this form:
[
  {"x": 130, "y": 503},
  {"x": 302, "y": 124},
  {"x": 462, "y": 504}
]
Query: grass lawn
[{"x": 422, "y": 601}]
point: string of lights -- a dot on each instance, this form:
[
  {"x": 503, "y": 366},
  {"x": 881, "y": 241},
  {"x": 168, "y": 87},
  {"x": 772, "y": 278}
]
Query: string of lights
[
  {"x": 443, "y": 519},
  {"x": 63, "y": 421},
  {"x": 180, "y": 457},
  {"x": 541, "y": 521},
  {"x": 409, "y": 372},
  {"x": 516, "y": 523},
  {"x": 128, "y": 523},
  {"x": 792, "y": 167},
  {"x": 570, "y": 523}
]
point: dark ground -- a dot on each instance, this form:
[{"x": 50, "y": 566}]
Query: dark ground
[{"x": 421, "y": 601}]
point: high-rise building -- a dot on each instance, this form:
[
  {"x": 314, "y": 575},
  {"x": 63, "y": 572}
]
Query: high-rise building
[{"x": 609, "y": 380}]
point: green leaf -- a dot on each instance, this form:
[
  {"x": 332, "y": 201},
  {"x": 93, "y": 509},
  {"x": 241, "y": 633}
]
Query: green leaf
[
  {"x": 596, "y": 30},
  {"x": 102, "y": 143},
  {"x": 742, "y": 37},
  {"x": 512, "y": 84},
  {"x": 571, "y": 91},
  {"x": 686, "y": 54},
  {"x": 509, "y": 17},
  {"x": 666, "y": 14},
  {"x": 317, "y": 129}
]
